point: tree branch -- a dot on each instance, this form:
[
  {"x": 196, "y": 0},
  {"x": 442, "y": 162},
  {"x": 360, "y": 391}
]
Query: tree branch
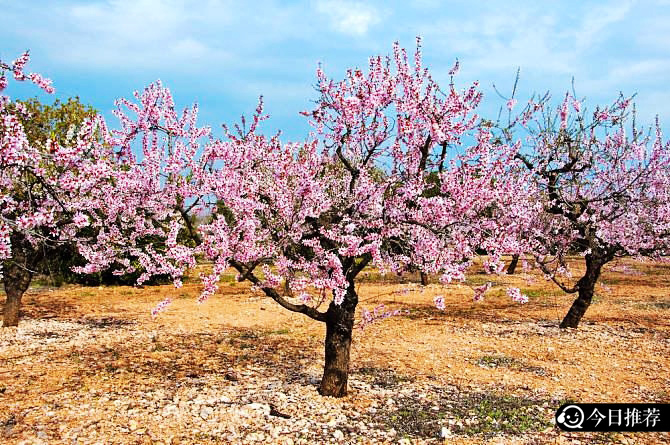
[{"x": 270, "y": 292}]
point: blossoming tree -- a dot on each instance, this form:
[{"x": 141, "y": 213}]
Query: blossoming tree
[
  {"x": 45, "y": 189},
  {"x": 603, "y": 186},
  {"x": 301, "y": 221}
]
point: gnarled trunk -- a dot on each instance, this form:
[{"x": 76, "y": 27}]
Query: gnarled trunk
[
  {"x": 512, "y": 264},
  {"x": 339, "y": 327},
  {"x": 424, "y": 279},
  {"x": 16, "y": 280},
  {"x": 586, "y": 288}
]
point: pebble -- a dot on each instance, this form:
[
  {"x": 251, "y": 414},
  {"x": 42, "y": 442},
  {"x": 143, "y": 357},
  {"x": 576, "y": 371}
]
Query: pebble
[
  {"x": 176, "y": 410},
  {"x": 205, "y": 412}
]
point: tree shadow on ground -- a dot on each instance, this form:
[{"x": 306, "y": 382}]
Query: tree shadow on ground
[
  {"x": 56, "y": 307},
  {"x": 171, "y": 358},
  {"x": 503, "y": 314}
]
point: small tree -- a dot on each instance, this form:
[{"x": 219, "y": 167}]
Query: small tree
[
  {"x": 47, "y": 124},
  {"x": 301, "y": 221},
  {"x": 603, "y": 187},
  {"x": 47, "y": 187},
  {"x": 320, "y": 215}
]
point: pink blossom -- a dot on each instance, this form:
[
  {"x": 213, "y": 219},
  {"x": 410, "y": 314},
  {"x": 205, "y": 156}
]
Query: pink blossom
[
  {"x": 379, "y": 313},
  {"x": 455, "y": 69},
  {"x": 577, "y": 105},
  {"x": 41, "y": 82},
  {"x": 481, "y": 290},
  {"x": 160, "y": 307},
  {"x": 80, "y": 220},
  {"x": 515, "y": 294}
]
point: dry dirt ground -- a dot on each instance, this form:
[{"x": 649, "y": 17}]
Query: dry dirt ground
[{"x": 90, "y": 365}]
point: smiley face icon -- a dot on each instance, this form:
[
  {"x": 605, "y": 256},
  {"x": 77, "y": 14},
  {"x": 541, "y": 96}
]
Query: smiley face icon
[{"x": 570, "y": 417}]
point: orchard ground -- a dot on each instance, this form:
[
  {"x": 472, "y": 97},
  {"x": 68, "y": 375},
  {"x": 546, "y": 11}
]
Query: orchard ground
[{"x": 90, "y": 365}]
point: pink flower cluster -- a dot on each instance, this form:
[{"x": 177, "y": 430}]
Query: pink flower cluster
[
  {"x": 481, "y": 290},
  {"x": 377, "y": 314},
  {"x": 515, "y": 294}
]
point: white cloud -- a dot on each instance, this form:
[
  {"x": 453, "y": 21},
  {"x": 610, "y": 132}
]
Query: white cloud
[
  {"x": 351, "y": 18},
  {"x": 141, "y": 33},
  {"x": 644, "y": 70},
  {"x": 504, "y": 39},
  {"x": 653, "y": 34},
  {"x": 593, "y": 28}
]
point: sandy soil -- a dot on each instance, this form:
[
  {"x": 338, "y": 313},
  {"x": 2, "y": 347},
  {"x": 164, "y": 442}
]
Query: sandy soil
[{"x": 90, "y": 365}]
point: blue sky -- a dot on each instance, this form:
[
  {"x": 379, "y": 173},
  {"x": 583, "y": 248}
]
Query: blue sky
[{"x": 224, "y": 54}]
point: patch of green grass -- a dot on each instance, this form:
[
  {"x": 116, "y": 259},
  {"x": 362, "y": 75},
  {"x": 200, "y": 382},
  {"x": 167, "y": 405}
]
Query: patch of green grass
[
  {"x": 654, "y": 269},
  {"x": 418, "y": 313},
  {"x": 254, "y": 335},
  {"x": 537, "y": 293},
  {"x": 472, "y": 414},
  {"x": 42, "y": 281},
  {"x": 665, "y": 304},
  {"x": 597, "y": 298},
  {"x": 509, "y": 414},
  {"x": 86, "y": 294},
  {"x": 382, "y": 377},
  {"x": 480, "y": 279},
  {"x": 246, "y": 335},
  {"x": 565, "y": 401},
  {"x": 662, "y": 396},
  {"x": 492, "y": 361},
  {"x": 228, "y": 278},
  {"x": 158, "y": 346},
  {"x": 75, "y": 356}
]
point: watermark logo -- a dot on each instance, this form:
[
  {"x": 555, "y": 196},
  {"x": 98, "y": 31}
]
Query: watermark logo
[
  {"x": 613, "y": 417},
  {"x": 570, "y": 417}
]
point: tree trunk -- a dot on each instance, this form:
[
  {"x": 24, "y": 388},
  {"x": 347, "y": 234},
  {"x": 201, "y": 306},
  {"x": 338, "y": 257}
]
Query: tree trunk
[
  {"x": 16, "y": 280},
  {"x": 512, "y": 264},
  {"x": 424, "y": 279},
  {"x": 339, "y": 327},
  {"x": 586, "y": 288}
]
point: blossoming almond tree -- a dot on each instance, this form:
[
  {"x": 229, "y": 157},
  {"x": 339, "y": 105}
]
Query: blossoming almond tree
[
  {"x": 378, "y": 183},
  {"x": 45, "y": 190},
  {"x": 319, "y": 214},
  {"x": 604, "y": 189}
]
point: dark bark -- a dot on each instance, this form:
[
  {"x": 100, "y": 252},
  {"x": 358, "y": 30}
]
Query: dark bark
[
  {"x": 424, "y": 279},
  {"x": 585, "y": 290},
  {"x": 339, "y": 327},
  {"x": 512, "y": 265},
  {"x": 339, "y": 321},
  {"x": 16, "y": 280}
]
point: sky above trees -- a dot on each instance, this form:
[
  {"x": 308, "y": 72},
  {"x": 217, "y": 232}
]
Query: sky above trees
[{"x": 225, "y": 54}]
